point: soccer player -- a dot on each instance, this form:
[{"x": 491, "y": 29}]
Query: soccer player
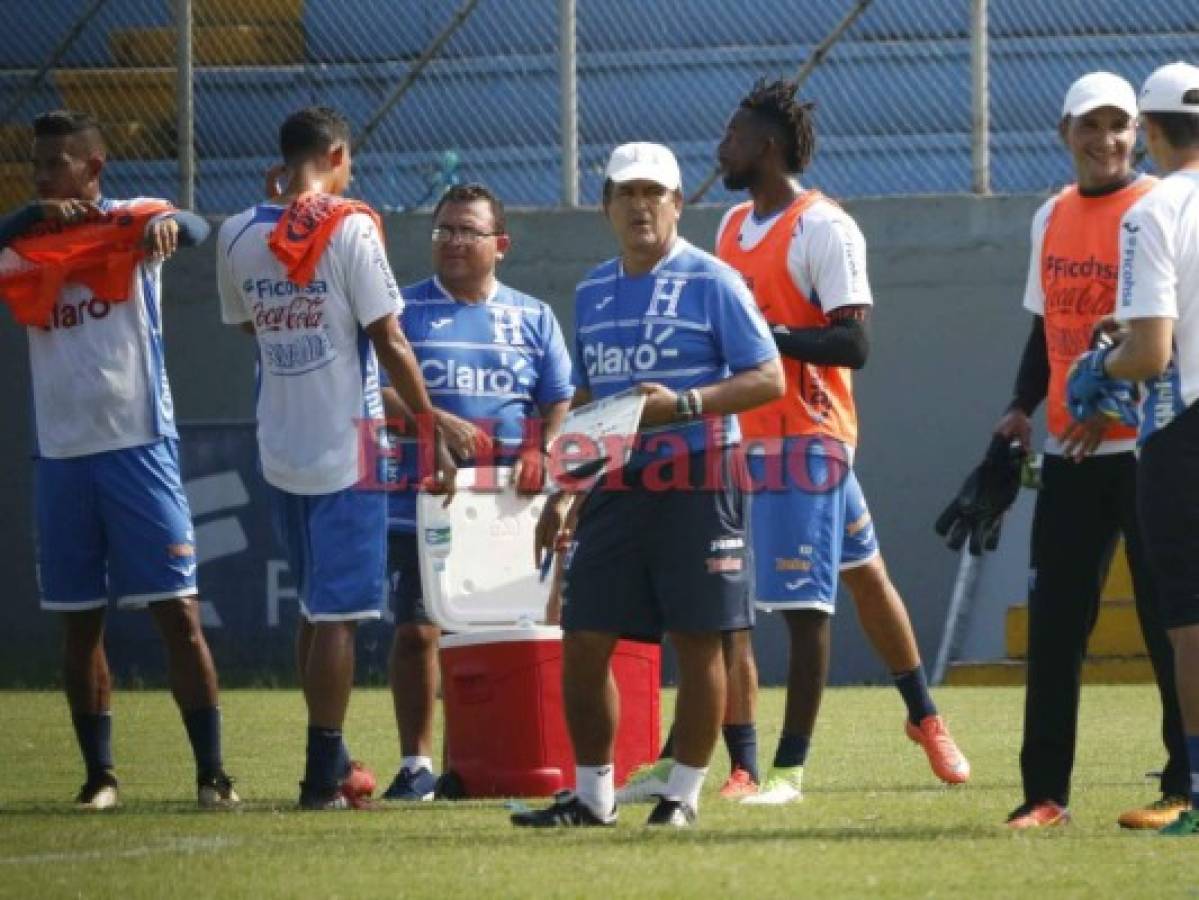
[
  {"x": 112, "y": 518},
  {"x": 805, "y": 260},
  {"x": 496, "y": 366},
  {"x": 308, "y": 275},
  {"x": 659, "y": 547},
  {"x": 1088, "y": 476},
  {"x": 1158, "y": 299}
]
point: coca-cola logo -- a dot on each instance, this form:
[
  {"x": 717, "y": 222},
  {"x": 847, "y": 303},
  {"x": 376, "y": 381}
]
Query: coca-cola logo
[{"x": 302, "y": 313}]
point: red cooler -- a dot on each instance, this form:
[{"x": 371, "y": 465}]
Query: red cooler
[
  {"x": 505, "y": 727},
  {"x": 501, "y": 673}
]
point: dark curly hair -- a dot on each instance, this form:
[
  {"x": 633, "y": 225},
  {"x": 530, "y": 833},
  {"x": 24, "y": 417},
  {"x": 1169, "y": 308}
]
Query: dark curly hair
[{"x": 775, "y": 102}]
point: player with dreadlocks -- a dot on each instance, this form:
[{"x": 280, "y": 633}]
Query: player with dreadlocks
[{"x": 805, "y": 260}]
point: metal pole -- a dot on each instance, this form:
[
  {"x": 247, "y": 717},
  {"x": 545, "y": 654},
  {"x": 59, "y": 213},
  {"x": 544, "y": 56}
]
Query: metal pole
[
  {"x": 568, "y": 85},
  {"x": 980, "y": 150},
  {"x": 960, "y": 606},
  {"x": 184, "y": 105}
]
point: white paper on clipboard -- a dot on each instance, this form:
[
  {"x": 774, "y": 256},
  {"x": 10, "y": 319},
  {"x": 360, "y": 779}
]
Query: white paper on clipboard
[{"x": 601, "y": 427}]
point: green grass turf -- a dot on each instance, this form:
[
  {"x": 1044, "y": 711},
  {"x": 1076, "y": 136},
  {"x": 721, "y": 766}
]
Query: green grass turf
[{"x": 874, "y": 822}]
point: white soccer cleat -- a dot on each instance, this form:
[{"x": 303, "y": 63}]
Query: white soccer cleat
[
  {"x": 781, "y": 786},
  {"x": 647, "y": 784},
  {"x": 98, "y": 793}
]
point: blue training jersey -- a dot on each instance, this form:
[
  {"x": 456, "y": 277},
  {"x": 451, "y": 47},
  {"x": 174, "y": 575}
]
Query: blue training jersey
[
  {"x": 496, "y": 363},
  {"x": 689, "y": 322}
]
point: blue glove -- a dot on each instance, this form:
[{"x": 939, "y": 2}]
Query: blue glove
[{"x": 1090, "y": 390}]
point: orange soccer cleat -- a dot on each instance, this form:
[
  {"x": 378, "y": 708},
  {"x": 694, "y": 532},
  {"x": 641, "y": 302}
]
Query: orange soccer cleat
[
  {"x": 738, "y": 785},
  {"x": 1043, "y": 814},
  {"x": 944, "y": 757}
]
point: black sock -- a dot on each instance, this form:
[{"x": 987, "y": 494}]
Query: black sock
[
  {"x": 668, "y": 747},
  {"x": 742, "y": 744},
  {"x": 204, "y": 731},
  {"x": 322, "y": 767},
  {"x": 93, "y": 731},
  {"x": 792, "y": 750},
  {"x": 343, "y": 761},
  {"x": 913, "y": 687}
]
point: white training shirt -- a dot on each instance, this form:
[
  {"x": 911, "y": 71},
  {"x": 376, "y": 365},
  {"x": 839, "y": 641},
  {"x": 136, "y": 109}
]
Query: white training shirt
[
  {"x": 826, "y": 258},
  {"x": 99, "y": 379},
  {"x": 1159, "y": 278},
  {"x": 317, "y": 372}
]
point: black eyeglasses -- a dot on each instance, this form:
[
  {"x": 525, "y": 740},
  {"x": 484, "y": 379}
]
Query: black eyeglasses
[{"x": 467, "y": 236}]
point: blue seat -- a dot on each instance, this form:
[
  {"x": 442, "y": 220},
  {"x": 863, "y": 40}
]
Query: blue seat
[{"x": 41, "y": 25}]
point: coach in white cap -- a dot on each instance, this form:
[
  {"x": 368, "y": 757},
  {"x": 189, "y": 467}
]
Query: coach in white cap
[
  {"x": 656, "y": 555},
  {"x": 1158, "y": 298}
]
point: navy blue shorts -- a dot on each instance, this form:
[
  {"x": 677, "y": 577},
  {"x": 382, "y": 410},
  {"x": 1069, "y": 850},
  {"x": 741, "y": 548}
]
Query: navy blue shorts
[
  {"x": 648, "y": 561},
  {"x": 1168, "y": 510},
  {"x": 403, "y": 578}
]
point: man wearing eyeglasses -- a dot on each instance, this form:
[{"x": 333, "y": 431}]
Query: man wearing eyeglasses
[{"x": 498, "y": 372}]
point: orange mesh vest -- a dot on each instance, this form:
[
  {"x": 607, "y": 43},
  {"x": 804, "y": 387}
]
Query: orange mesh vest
[
  {"x": 101, "y": 255},
  {"x": 1079, "y": 269},
  {"x": 817, "y": 399}
]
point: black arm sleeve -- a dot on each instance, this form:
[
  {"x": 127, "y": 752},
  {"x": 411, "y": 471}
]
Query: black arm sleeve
[
  {"x": 15, "y": 225},
  {"x": 193, "y": 229},
  {"x": 843, "y": 342},
  {"x": 1032, "y": 380}
]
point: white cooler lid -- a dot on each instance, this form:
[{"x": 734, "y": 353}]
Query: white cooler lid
[{"x": 488, "y": 580}]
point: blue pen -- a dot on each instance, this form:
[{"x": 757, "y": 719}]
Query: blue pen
[{"x": 546, "y": 565}]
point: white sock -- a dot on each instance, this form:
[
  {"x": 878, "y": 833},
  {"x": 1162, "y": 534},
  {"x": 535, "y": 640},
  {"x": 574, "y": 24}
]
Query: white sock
[
  {"x": 596, "y": 787},
  {"x": 415, "y": 763},
  {"x": 684, "y": 784}
]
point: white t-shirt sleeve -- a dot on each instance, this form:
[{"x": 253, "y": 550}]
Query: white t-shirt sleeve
[
  {"x": 1034, "y": 293},
  {"x": 724, "y": 223},
  {"x": 828, "y": 260},
  {"x": 233, "y": 303},
  {"x": 1148, "y": 281},
  {"x": 369, "y": 283}
]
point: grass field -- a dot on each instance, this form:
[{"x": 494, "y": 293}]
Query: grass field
[{"x": 874, "y": 822}]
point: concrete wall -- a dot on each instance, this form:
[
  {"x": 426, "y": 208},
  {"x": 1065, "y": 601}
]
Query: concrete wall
[{"x": 947, "y": 274}]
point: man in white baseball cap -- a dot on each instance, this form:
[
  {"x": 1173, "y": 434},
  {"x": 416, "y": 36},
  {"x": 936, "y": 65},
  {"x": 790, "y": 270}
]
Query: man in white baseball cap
[
  {"x": 654, "y": 556},
  {"x": 1158, "y": 299}
]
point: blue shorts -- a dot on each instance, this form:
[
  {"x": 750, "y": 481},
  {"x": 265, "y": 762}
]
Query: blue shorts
[
  {"x": 805, "y": 530},
  {"x": 113, "y": 524},
  {"x": 337, "y": 549}
]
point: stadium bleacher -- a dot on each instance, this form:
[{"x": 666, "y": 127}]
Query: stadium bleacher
[{"x": 259, "y": 59}]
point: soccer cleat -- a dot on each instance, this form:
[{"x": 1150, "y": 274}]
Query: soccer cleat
[
  {"x": 98, "y": 792},
  {"x": 567, "y": 811},
  {"x": 315, "y": 799},
  {"x": 1043, "y": 814},
  {"x": 782, "y": 785},
  {"x": 358, "y": 785},
  {"x": 216, "y": 792},
  {"x": 647, "y": 783},
  {"x": 739, "y": 784},
  {"x": 1185, "y": 825},
  {"x": 1157, "y": 814},
  {"x": 944, "y": 757},
  {"x": 409, "y": 785},
  {"x": 675, "y": 813}
]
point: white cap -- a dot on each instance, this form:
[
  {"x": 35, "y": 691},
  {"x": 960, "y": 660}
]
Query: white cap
[
  {"x": 1099, "y": 89},
  {"x": 1166, "y": 90},
  {"x": 644, "y": 162}
]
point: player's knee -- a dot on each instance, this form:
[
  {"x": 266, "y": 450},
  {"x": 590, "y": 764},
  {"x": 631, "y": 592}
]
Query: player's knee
[
  {"x": 412, "y": 640},
  {"x": 179, "y": 622}
]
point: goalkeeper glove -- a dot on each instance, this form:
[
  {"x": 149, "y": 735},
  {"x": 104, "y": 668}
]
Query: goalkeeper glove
[
  {"x": 976, "y": 513},
  {"x": 1090, "y": 390}
]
